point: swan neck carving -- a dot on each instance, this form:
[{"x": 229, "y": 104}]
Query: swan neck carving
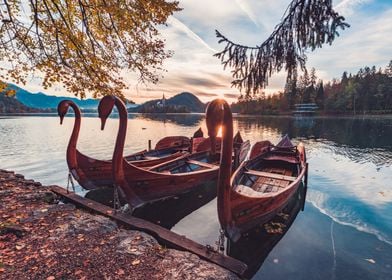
[
  {"x": 120, "y": 141},
  {"x": 219, "y": 114},
  {"x": 71, "y": 149}
]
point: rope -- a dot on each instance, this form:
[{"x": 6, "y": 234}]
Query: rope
[
  {"x": 116, "y": 199},
  {"x": 70, "y": 181},
  {"x": 221, "y": 242}
]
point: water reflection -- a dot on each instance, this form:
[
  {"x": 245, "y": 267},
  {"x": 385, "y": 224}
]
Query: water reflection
[
  {"x": 372, "y": 132},
  {"x": 349, "y": 183},
  {"x": 180, "y": 119},
  {"x": 165, "y": 213}
]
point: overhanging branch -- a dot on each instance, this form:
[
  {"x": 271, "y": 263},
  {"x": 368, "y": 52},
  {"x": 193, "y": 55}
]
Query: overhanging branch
[{"x": 306, "y": 24}]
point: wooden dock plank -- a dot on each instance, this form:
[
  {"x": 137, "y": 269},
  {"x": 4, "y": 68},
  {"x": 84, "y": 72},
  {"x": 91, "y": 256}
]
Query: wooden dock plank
[{"x": 164, "y": 236}]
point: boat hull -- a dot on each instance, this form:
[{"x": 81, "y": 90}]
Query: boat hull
[
  {"x": 140, "y": 185},
  {"x": 263, "y": 186},
  {"x": 93, "y": 174}
]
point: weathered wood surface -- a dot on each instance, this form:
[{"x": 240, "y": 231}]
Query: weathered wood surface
[
  {"x": 271, "y": 175},
  {"x": 164, "y": 236}
]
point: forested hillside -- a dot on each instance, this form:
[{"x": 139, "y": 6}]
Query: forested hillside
[{"x": 367, "y": 91}]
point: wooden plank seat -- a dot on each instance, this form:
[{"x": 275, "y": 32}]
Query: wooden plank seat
[
  {"x": 282, "y": 158},
  {"x": 270, "y": 175},
  {"x": 150, "y": 158},
  {"x": 201, "y": 163}
]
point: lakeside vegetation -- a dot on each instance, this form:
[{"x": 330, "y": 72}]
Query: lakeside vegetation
[
  {"x": 10, "y": 105},
  {"x": 369, "y": 91}
]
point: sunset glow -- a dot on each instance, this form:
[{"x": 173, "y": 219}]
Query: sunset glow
[{"x": 190, "y": 33}]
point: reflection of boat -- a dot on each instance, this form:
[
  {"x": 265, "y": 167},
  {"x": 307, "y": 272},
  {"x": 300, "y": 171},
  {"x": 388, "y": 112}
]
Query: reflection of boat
[
  {"x": 254, "y": 248},
  {"x": 166, "y": 212},
  {"x": 142, "y": 185},
  {"x": 261, "y": 186},
  {"x": 92, "y": 173}
]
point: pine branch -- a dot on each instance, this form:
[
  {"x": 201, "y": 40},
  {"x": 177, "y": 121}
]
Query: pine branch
[{"x": 306, "y": 24}]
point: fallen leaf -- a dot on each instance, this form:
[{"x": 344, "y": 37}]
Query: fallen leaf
[
  {"x": 50, "y": 278},
  {"x": 135, "y": 262},
  {"x": 19, "y": 246}
]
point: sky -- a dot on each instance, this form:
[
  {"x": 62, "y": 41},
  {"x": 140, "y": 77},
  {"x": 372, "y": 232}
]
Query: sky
[{"x": 190, "y": 33}]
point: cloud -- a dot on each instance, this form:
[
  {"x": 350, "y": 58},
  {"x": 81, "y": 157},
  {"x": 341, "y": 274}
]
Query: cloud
[
  {"x": 348, "y": 7},
  {"x": 191, "y": 35},
  {"x": 204, "y": 82},
  {"x": 181, "y": 26},
  {"x": 205, "y": 94},
  {"x": 248, "y": 11},
  {"x": 231, "y": 95},
  {"x": 366, "y": 43}
]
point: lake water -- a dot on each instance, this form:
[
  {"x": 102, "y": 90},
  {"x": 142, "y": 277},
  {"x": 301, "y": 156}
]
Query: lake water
[{"x": 345, "y": 231}]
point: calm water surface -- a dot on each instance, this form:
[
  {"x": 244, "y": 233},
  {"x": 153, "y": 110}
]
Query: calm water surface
[{"x": 345, "y": 231}]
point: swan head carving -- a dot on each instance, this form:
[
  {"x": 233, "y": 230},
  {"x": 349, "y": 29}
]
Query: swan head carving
[
  {"x": 198, "y": 133},
  {"x": 62, "y": 109},
  {"x": 105, "y": 107},
  {"x": 214, "y": 120}
]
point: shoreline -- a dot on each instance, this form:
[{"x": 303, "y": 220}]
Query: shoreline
[
  {"x": 43, "y": 238},
  {"x": 317, "y": 116}
]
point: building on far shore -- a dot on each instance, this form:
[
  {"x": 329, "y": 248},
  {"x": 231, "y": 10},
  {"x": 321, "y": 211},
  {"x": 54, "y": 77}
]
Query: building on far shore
[
  {"x": 162, "y": 102},
  {"x": 305, "y": 109}
]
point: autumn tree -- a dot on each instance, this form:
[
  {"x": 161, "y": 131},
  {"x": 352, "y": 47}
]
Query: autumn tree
[
  {"x": 84, "y": 45},
  {"x": 306, "y": 25}
]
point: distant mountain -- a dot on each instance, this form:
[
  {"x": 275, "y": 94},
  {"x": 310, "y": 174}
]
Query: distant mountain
[
  {"x": 42, "y": 101},
  {"x": 181, "y": 103},
  {"x": 10, "y": 105}
]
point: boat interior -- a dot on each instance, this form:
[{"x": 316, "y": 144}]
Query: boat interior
[
  {"x": 150, "y": 155},
  {"x": 268, "y": 174},
  {"x": 194, "y": 162}
]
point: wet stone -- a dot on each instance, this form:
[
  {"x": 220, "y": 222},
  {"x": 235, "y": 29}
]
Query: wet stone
[
  {"x": 86, "y": 223},
  {"x": 184, "y": 265},
  {"x": 135, "y": 242}
]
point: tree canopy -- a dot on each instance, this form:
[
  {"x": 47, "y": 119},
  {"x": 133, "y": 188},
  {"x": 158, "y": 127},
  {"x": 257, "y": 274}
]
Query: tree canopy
[
  {"x": 83, "y": 44},
  {"x": 367, "y": 91},
  {"x": 306, "y": 25}
]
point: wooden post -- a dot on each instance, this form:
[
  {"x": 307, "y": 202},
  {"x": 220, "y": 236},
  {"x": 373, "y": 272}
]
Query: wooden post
[
  {"x": 149, "y": 145},
  {"x": 306, "y": 185},
  {"x": 190, "y": 149}
]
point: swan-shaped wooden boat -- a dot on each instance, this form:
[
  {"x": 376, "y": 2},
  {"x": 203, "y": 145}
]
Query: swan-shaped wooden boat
[
  {"x": 142, "y": 185},
  {"x": 93, "y": 173},
  {"x": 261, "y": 186}
]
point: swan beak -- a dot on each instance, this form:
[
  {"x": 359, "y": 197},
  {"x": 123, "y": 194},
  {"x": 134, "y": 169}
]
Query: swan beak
[
  {"x": 61, "y": 119},
  {"x": 103, "y": 122}
]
